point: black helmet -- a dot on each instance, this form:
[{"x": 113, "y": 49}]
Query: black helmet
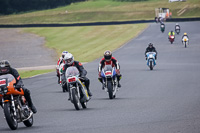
[
  {"x": 150, "y": 44},
  {"x": 4, "y": 67},
  {"x": 107, "y": 55}
]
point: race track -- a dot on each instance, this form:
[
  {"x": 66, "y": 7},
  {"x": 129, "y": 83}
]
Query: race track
[{"x": 165, "y": 100}]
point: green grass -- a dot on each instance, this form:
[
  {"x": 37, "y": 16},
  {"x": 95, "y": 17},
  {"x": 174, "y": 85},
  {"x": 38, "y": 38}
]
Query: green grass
[
  {"x": 26, "y": 74},
  {"x": 102, "y": 10},
  {"x": 88, "y": 42}
]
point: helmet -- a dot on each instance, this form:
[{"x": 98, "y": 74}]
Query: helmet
[
  {"x": 69, "y": 59},
  {"x": 176, "y": 23},
  {"x": 185, "y": 33},
  {"x": 107, "y": 55},
  {"x": 4, "y": 67},
  {"x": 172, "y": 31},
  {"x": 150, "y": 44},
  {"x": 63, "y": 54}
]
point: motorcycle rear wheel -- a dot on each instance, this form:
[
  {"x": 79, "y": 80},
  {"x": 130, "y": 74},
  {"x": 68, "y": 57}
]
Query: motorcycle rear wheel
[
  {"x": 76, "y": 100},
  {"x": 9, "y": 115},
  {"x": 84, "y": 105},
  {"x": 29, "y": 122}
]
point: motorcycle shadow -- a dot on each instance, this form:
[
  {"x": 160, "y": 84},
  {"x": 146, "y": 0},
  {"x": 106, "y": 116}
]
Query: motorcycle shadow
[
  {"x": 21, "y": 128},
  {"x": 117, "y": 98}
]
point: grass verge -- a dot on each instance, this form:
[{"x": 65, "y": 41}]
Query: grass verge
[
  {"x": 30, "y": 73},
  {"x": 103, "y": 10},
  {"x": 87, "y": 43}
]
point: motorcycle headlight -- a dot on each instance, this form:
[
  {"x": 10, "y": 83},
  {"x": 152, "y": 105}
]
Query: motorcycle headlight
[{"x": 5, "y": 90}]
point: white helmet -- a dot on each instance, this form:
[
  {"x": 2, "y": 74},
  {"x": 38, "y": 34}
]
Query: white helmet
[
  {"x": 176, "y": 23},
  {"x": 69, "y": 59},
  {"x": 63, "y": 54}
]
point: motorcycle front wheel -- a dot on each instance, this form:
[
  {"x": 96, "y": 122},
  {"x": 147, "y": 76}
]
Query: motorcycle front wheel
[
  {"x": 76, "y": 100},
  {"x": 9, "y": 115},
  {"x": 151, "y": 65},
  {"x": 110, "y": 90}
]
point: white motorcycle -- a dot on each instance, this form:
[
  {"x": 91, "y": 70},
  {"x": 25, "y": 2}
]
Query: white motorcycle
[
  {"x": 110, "y": 80},
  {"x": 60, "y": 71},
  {"x": 151, "y": 62},
  {"x": 77, "y": 91},
  {"x": 185, "y": 41}
]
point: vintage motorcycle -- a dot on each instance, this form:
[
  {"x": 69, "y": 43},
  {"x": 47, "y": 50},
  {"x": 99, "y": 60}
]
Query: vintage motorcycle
[
  {"x": 151, "y": 62},
  {"x": 177, "y": 29},
  {"x": 78, "y": 94},
  {"x": 60, "y": 71},
  {"x": 162, "y": 28},
  {"x": 185, "y": 41},
  {"x": 171, "y": 38},
  {"x": 14, "y": 103},
  {"x": 110, "y": 83}
]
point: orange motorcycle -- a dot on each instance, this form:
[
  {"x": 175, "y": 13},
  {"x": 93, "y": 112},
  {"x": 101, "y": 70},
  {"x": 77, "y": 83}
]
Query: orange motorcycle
[{"x": 14, "y": 103}]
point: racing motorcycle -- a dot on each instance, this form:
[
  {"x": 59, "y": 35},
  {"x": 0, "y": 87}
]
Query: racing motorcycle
[
  {"x": 162, "y": 28},
  {"x": 60, "y": 71},
  {"x": 14, "y": 103},
  {"x": 151, "y": 62},
  {"x": 185, "y": 41},
  {"x": 78, "y": 94},
  {"x": 171, "y": 38},
  {"x": 110, "y": 83},
  {"x": 177, "y": 29}
]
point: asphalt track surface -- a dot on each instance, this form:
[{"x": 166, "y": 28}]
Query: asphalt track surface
[{"x": 165, "y": 100}]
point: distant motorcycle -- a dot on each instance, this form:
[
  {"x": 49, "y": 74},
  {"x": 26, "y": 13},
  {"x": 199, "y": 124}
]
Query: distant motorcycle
[
  {"x": 151, "y": 62},
  {"x": 171, "y": 38},
  {"x": 78, "y": 94},
  {"x": 185, "y": 41},
  {"x": 177, "y": 29},
  {"x": 108, "y": 74},
  {"x": 162, "y": 28},
  {"x": 14, "y": 103}
]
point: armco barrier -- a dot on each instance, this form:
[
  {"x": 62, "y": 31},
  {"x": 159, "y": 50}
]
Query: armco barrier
[
  {"x": 95, "y": 23},
  {"x": 182, "y": 19}
]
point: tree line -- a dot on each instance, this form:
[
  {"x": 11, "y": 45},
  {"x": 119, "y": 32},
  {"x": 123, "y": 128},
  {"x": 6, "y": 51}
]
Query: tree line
[{"x": 16, "y": 6}]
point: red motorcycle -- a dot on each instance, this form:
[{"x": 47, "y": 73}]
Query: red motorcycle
[{"x": 171, "y": 38}]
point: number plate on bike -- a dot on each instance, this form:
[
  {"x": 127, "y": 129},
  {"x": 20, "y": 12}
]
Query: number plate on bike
[
  {"x": 2, "y": 82},
  {"x": 108, "y": 73}
]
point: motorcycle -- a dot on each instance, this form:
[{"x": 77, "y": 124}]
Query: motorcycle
[
  {"x": 185, "y": 41},
  {"x": 14, "y": 103},
  {"x": 171, "y": 38},
  {"x": 177, "y": 29},
  {"x": 78, "y": 94},
  {"x": 108, "y": 74},
  {"x": 151, "y": 62},
  {"x": 60, "y": 70},
  {"x": 162, "y": 28}
]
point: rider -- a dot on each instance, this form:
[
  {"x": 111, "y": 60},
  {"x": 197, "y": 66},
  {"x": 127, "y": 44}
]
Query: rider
[
  {"x": 109, "y": 60},
  {"x": 5, "y": 68},
  {"x": 171, "y": 33},
  {"x": 185, "y": 35},
  {"x": 69, "y": 61},
  {"x": 60, "y": 61},
  {"x": 150, "y": 48},
  {"x": 177, "y": 26}
]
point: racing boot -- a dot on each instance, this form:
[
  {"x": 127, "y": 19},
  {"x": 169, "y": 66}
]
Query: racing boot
[
  {"x": 28, "y": 99},
  {"x": 89, "y": 92},
  {"x": 119, "y": 85},
  {"x": 118, "y": 78}
]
